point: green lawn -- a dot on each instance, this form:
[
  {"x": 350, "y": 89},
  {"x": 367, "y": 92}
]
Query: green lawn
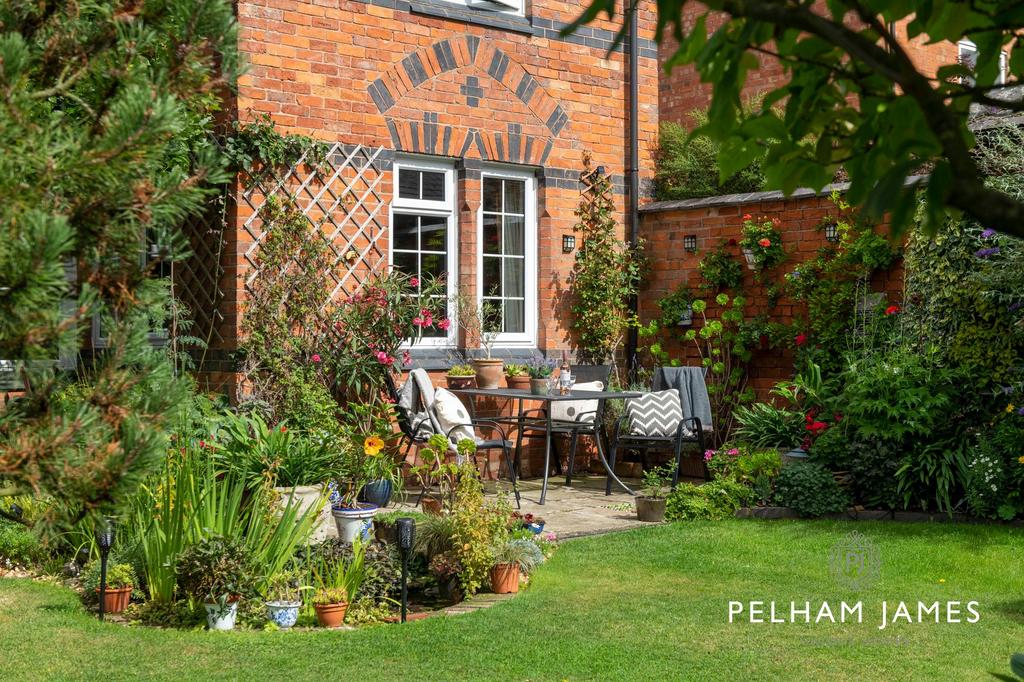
[{"x": 648, "y": 604}]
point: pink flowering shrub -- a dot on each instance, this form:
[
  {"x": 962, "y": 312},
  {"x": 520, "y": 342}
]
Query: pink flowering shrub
[{"x": 371, "y": 325}]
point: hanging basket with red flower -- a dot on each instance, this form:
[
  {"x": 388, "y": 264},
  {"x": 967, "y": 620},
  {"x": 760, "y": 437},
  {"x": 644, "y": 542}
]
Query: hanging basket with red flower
[{"x": 762, "y": 242}]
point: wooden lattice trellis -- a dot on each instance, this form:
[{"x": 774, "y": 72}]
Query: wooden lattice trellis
[
  {"x": 343, "y": 196},
  {"x": 197, "y": 280}
]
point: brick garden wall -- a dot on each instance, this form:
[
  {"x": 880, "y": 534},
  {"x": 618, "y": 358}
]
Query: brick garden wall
[{"x": 665, "y": 224}]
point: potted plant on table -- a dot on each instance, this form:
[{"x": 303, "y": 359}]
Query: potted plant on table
[
  {"x": 336, "y": 584},
  {"x": 517, "y": 377},
  {"x": 121, "y": 581},
  {"x": 651, "y": 506},
  {"x": 217, "y": 570},
  {"x": 513, "y": 558},
  {"x": 540, "y": 371},
  {"x": 461, "y": 376},
  {"x": 482, "y": 324}
]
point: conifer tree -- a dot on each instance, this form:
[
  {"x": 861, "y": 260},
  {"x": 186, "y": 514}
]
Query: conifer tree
[{"x": 104, "y": 148}]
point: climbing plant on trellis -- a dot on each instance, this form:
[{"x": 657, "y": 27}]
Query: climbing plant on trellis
[{"x": 343, "y": 197}]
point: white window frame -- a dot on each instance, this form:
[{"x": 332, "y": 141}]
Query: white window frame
[
  {"x": 445, "y": 209},
  {"x": 966, "y": 45},
  {"x": 528, "y": 338},
  {"x": 516, "y": 7}
]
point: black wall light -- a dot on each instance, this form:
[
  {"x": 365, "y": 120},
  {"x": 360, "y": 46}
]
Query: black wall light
[
  {"x": 568, "y": 243},
  {"x": 832, "y": 232},
  {"x": 690, "y": 243}
]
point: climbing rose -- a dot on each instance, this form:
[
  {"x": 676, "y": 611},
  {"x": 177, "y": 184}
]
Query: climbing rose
[
  {"x": 732, "y": 242},
  {"x": 892, "y": 310},
  {"x": 800, "y": 339},
  {"x": 765, "y": 242},
  {"x": 316, "y": 357},
  {"x": 747, "y": 216}
]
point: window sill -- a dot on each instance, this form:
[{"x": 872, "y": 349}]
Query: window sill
[{"x": 446, "y": 10}]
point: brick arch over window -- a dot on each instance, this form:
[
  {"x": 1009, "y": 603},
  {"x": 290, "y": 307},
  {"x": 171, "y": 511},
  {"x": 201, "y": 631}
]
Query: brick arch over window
[{"x": 450, "y": 55}]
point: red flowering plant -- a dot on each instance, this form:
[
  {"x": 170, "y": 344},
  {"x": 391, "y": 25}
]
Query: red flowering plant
[
  {"x": 370, "y": 327},
  {"x": 762, "y": 242}
]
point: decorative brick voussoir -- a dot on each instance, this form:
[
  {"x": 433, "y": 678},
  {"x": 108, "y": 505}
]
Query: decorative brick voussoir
[{"x": 463, "y": 51}]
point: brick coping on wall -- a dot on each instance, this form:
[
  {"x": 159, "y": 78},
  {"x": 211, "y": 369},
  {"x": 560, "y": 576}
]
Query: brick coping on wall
[{"x": 753, "y": 197}]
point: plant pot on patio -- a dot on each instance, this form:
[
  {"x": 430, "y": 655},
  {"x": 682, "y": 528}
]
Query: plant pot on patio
[
  {"x": 378, "y": 492},
  {"x": 650, "y": 509},
  {"x": 431, "y": 505},
  {"x": 488, "y": 372},
  {"x": 353, "y": 523},
  {"x": 305, "y": 497},
  {"x": 505, "y": 578}
]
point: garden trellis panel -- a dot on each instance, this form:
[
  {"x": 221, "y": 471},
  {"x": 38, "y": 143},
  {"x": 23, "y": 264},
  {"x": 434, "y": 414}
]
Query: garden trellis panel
[{"x": 344, "y": 197}]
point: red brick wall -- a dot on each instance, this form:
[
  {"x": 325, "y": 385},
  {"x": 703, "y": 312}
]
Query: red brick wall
[
  {"x": 672, "y": 266},
  {"x": 338, "y": 70}
]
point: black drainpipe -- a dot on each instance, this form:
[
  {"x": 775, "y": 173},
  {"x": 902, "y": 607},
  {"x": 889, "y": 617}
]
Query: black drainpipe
[{"x": 634, "y": 170}]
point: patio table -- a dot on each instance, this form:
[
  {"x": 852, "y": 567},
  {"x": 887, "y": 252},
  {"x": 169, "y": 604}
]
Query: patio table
[{"x": 522, "y": 395}]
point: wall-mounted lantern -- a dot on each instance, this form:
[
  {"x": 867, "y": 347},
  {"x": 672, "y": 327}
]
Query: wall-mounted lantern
[
  {"x": 690, "y": 243},
  {"x": 568, "y": 243}
]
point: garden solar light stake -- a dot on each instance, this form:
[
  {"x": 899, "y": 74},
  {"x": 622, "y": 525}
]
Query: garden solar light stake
[
  {"x": 406, "y": 530},
  {"x": 105, "y": 540}
]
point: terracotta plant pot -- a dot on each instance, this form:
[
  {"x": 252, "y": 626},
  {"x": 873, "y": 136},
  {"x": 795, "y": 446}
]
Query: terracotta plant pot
[
  {"x": 488, "y": 372},
  {"x": 331, "y": 615},
  {"x": 539, "y": 386},
  {"x": 115, "y": 600},
  {"x": 520, "y": 383},
  {"x": 505, "y": 578},
  {"x": 650, "y": 509},
  {"x": 460, "y": 382},
  {"x": 431, "y": 505}
]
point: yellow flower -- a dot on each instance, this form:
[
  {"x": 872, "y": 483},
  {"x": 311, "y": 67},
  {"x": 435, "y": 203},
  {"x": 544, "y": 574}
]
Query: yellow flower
[
  {"x": 1009, "y": 408},
  {"x": 1020, "y": 460},
  {"x": 372, "y": 446},
  {"x": 942, "y": 580}
]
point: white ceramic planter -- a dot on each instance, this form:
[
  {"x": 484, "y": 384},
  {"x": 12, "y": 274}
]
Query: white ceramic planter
[
  {"x": 353, "y": 523},
  {"x": 307, "y": 496},
  {"x": 283, "y": 613},
  {"x": 218, "y": 618}
]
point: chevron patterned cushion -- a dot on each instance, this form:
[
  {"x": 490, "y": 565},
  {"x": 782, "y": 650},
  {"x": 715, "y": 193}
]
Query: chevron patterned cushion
[{"x": 655, "y": 414}]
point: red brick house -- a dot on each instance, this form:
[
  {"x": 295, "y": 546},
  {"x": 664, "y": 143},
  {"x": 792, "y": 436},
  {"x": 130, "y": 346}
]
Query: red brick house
[{"x": 458, "y": 129}]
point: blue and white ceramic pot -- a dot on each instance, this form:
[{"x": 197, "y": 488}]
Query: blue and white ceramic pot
[
  {"x": 283, "y": 614},
  {"x": 353, "y": 523}
]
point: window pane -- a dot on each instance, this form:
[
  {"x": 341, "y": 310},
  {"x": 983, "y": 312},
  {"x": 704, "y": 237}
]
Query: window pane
[
  {"x": 433, "y": 265},
  {"x": 433, "y": 186},
  {"x": 408, "y": 183},
  {"x": 434, "y": 233},
  {"x": 515, "y": 317},
  {"x": 404, "y": 232},
  {"x": 515, "y": 234},
  {"x": 492, "y": 194},
  {"x": 515, "y": 196},
  {"x": 492, "y": 276},
  {"x": 492, "y": 236},
  {"x": 406, "y": 262},
  {"x": 492, "y": 315},
  {"x": 515, "y": 284}
]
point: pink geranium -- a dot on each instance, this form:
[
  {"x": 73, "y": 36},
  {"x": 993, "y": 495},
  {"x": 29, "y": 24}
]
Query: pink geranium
[{"x": 765, "y": 243}]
